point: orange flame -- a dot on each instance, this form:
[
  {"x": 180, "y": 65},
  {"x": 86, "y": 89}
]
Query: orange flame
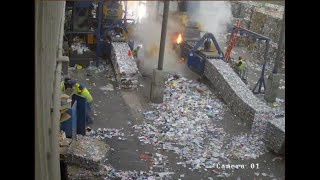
[{"x": 179, "y": 39}]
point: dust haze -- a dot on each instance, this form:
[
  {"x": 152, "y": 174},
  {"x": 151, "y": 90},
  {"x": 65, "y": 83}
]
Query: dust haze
[{"x": 213, "y": 17}]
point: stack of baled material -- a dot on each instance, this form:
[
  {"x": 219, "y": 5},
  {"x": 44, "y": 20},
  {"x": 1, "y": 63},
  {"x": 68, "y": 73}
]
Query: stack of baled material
[
  {"x": 275, "y": 135},
  {"x": 125, "y": 67},
  {"x": 87, "y": 152},
  {"x": 237, "y": 95}
]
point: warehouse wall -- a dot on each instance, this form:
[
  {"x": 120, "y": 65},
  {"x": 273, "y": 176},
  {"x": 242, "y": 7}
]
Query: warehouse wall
[{"x": 49, "y": 16}]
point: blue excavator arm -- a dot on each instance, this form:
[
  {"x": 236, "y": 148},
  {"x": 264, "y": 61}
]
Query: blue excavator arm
[{"x": 208, "y": 36}]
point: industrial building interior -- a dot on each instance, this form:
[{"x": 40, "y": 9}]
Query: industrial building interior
[{"x": 159, "y": 90}]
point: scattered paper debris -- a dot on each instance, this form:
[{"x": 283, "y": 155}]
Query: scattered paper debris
[{"x": 108, "y": 87}]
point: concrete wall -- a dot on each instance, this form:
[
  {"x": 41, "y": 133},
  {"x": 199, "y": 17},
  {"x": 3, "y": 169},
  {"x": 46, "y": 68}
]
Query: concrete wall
[
  {"x": 236, "y": 94},
  {"x": 49, "y": 16}
]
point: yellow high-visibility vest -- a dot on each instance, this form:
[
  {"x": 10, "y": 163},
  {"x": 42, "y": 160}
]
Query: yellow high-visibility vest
[
  {"x": 76, "y": 88},
  {"x": 62, "y": 86},
  {"x": 86, "y": 94},
  {"x": 241, "y": 67}
]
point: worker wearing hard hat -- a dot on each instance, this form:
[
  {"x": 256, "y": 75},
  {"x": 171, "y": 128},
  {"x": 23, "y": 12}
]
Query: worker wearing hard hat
[
  {"x": 135, "y": 55},
  {"x": 74, "y": 85},
  {"x": 84, "y": 92},
  {"x": 79, "y": 89},
  {"x": 135, "y": 52},
  {"x": 65, "y": 84}
]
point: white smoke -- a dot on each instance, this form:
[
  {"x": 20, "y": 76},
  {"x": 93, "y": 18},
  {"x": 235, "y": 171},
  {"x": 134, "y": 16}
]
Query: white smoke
[
  {"x": 148, "y": 33},
  {"x": 214, "y": 16}
]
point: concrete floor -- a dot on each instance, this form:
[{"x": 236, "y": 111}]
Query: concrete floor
[{"x": 123, "y": 109}]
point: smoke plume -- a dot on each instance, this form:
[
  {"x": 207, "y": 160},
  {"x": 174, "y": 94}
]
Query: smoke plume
[{"x": 214, "y": 17}]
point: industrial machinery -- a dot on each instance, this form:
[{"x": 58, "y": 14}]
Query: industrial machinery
[
  {"x": 186, "y": 43},
  {"x": 196, "y": 58},
  {"x": 79, "y": 33},
  {"x": 191, "y": 29},
  {"x": 92, "y": 26},
  {"x": 198, "y": 51}
]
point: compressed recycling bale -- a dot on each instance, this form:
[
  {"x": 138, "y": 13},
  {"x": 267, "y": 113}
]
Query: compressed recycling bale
[
  {"x": 259, "y": 51},
  {"x": 264, "y": 18},
  {"x": 247, "y": 8},
  {"x": 87, "y": 152},
  {"x": 125, "y": 67},
  {"x": 78, "y": 173},
  {"x": 258, "y": 21},
  {"x": 275, "y": 135},
  {"x": 235, "y": 9},
  {"x": 267, "y": 23},
  {"x": 235, "y": 93},
  {"x": 272, "y": 27},
  {"x": 274, "y": 7}
]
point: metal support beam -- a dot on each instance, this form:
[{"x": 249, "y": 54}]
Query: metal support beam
[
  {"x": 280, "y": 45},
  {"x": 125, "y": 12},
  {"x": 99, "y": 42},
  {"x": 209, "y": 36},
  {"x": 259, "y": 36},
  {"x": 163, "y": 34},
  {"x": 250, "y": 33},
  {"x": 261, "y": 81},
  {"x": 157, "y": 14}
]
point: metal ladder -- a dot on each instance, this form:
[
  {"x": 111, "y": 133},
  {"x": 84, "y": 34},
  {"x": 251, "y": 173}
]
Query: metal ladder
[{"x": 232, "y": 42}]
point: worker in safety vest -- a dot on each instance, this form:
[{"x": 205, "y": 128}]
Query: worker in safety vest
[
  {"x": 241, "y": 68},
  {"x": 135, "y": 55},
  {"x": 84, "y": 92},
  {"x": 135, "y": 52},
  {"x": 74, "y": 85},
  {"x": 62, "y": 86},
  {"x": 65, "y": 84},
  {"x": 69, "y": 83}
]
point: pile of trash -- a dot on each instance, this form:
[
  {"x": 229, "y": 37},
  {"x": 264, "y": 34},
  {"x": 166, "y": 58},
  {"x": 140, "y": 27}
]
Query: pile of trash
[
  {"x": 184, "y": 123},
  {"x": 279, "y": 112},
  {"x": 108, "y": 87},
  {"x": 93, "y": 69},
  {"x": 245, "y": 147},
  {"x": 80, "y": 48},
  {"x": 86, "y": 152},
  {"x": 106, "y": 133},
  {"x": 139, "y": 175},
  {"x": 159, "y": 161},
  {"x": 187, "y": 124},
  {"x": 108, "y": 172},
  {"x": 271, "y": 175},
  {"x": 86, "y": 156}
]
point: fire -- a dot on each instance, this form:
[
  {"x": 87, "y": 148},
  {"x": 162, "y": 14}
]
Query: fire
[{"x": 179, "y": 39}]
